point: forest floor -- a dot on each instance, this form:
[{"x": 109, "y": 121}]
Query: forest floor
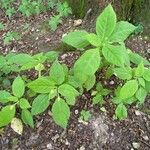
[{"x": 101, "y": 132}]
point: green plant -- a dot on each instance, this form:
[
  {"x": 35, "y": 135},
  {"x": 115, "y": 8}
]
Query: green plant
[
  {"x": 58, "y": 88},
  {"x": 7, "y": 6},
  {"x": 28, "y": 8},
  {"x": 14, "y": 100},
  {"x": 64, "y": 9},
  {"x": 54, "y": 22},
  {"x": 54, "y": 86},
  {"x": 11, "y": 36},
  {"x": 85, "y": 115},
  {"x": 99, "y": 93},
  {"x": 110, "y": 52}
]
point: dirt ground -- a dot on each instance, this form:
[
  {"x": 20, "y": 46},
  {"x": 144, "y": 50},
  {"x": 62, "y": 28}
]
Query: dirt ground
[{"x": 101, "y": 132}]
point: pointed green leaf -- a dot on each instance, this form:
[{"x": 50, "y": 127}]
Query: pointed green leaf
[
  {"x": 69, "y": 93},
  {"x": 141, "y": 82},
  {"x": 122, "y": 30},
  {"x": 98, "y": 99},
  {"x": 141, "y": 94},
  {"x": 124, "y": 73},
  {"x": 90, "y": 82},
  {"x": 114, "y": 54},
  {"x": 41, "y": 85},
  {"x": 106, "y": 23},
  {"x": 87, "y": 64},
  {"x": 121, "y": 112},
  {"x": 27, "y": 118},
  {"x": 94, "y": 39},
  {"x": 128, "y": 89},
  {"x": 40, "y": 104},
  {"x": 24, "y": 104},
  {"x": 139, "y": 70},
  {"x": 76, "y": 39},
  {"x": 7, "y": 114},
  {"x": 4, "y": 96},
  {"x": 61, "y": 112},
  {"x": 18, "y": 87},
  {"x": 57, "y": 73},
  {"x": 146, "y": 74}
]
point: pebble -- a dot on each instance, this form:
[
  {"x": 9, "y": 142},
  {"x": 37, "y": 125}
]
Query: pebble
[
  {"x": 146, "y": 138},
  {"x": 112, "y": 82},
  {"x": 76, "y": 111},
  {"x": 49, "y": 146},
  {"x": 77, "y": 22},
  {"x": 136, "y": 145}
]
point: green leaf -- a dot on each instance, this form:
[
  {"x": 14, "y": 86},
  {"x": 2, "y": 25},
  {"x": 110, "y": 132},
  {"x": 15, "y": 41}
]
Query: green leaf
[
  {"x": 52, "y": 56},
  {"x": 94, "y": 39},
  {"x": 76, "y": 39},
  {"x": 7, "y": 114},
  {"x": 4, "y": 96},
  {"x": 29, "y": 65},
  {"x": 24, "y": 104},
  {"x": 141, "y": 82},
  {"x": 61, "y": 112},
  {"x": 40, "y": 104},
  {"x": 98, "y": 99},
  {"x": 20, "y": 59},
  {"x": 41, "y": 85},
  {"x": 106, "y": 23},
  {"x": 128, "y": 89},
  {"x": 137, "y": 59},
  {"x": 27, "y": 118},
  {"x": 18, "y": 87},
  {"x": 90, "y": 82},
  {"x": 85, "y": 115},
  {"x": 69, "y": 93},
  {"x": 121, "y": 112},
  {"x": 114, "y": 54},
  {"x": 141, "y": 94},
  {"x": 139, "y": 70},
  {"x": 87, "y": 64},
  {"x": 146, "y": 74},
  {"x": 147, "y": 86},
  {"x": 2, "y": 61},
  {"x": 124, "y": 73},
  {"x": 57, "y": 73},
  {"x": 122, "y": 30}
]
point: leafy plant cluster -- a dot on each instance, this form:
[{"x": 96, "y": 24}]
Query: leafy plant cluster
[
  {"x": 57, "y": 88},
  {"x": 33, "y": 7}
]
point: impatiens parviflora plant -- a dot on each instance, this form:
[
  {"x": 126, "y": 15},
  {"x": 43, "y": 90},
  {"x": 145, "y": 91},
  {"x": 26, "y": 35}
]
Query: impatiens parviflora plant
[
  {"x": 135, "y": 88},
  {"x": 98, "y": 94},
  {"x": 54, "y": 87},
  {"x": 12, "y": 101},
  {"x": 108, "y": 42},
  {"x": 109, "y": 50}
]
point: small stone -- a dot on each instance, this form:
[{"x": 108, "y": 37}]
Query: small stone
[
  {"x": 112, "y": 82},
  {"x": 76, "y": 111},
  {"x": 136, "y": 145},
  {"x": 82, "y": 148},
  {"x": 67, "y": 143},
  {"x": 145, "y": 138},
  {"x": 137, "y": 113},
  {"x": 77, "y": 22},
  {"x": 49, "y": 146}
]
